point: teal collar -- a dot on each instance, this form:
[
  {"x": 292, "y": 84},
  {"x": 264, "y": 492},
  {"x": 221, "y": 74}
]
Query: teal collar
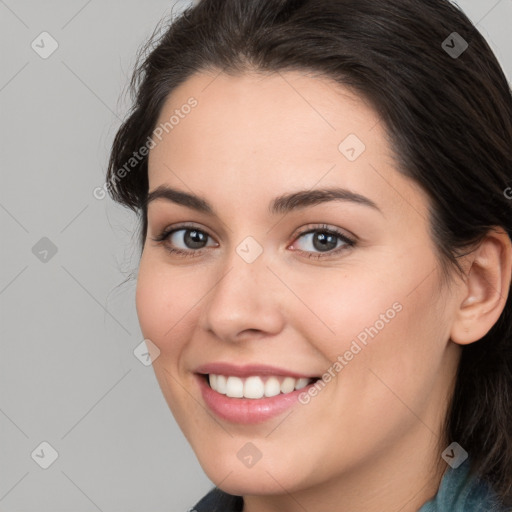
[{"x": 461, "y": 492}]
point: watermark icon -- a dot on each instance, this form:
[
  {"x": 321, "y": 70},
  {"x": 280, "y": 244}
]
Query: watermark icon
[
  {"x": 146, "y": 352},
  {"x": 44, "y": 45},
  {"x": 44, "y": 455},
  {"x": 352, "y": 147},
  {"x": 249, "y": 249},
  {"x": 508, "y": 192},
  {"x": 455, "y": 45},
  {"x": 139, "y": 155},
  {"x": 44, "y": 250},
  {"x": 249, "y": 454},
  {"x": 454, "y": 455},
  {"x": 343, "y": 359}
]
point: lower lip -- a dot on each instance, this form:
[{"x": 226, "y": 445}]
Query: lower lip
[{"x": 247, "y": 410}]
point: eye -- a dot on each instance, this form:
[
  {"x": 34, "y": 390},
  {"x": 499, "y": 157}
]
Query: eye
[
  {"x": 184, "y": 240},
  {"x": 324, "y": 240}
]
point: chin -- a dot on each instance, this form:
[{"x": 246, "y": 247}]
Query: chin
[
  {"x": 244, "y": 483},
  {"x": 264, "y": 477}
]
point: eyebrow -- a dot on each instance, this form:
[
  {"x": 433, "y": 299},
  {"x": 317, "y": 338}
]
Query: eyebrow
[{"x": 279, "y": 205}]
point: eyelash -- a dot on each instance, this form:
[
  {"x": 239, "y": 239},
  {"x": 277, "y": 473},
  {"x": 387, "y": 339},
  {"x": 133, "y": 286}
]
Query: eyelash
[{"x": 165, "y": 234}]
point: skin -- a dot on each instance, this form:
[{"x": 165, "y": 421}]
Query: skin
[{"x": 371, "y": 439}]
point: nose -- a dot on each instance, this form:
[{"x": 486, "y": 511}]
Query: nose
[{"x": 245, "y": 302}]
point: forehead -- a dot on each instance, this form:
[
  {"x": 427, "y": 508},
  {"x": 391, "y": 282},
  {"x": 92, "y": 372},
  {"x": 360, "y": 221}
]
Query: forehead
[
  {"x": 256, "y": 135},
  {"x": 274, "y": 112}
]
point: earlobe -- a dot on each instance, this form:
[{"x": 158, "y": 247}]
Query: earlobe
[{"x": 485, "y": 290}]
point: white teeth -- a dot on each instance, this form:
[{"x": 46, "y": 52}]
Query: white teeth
[
  {"x": 235, "y": 387},
  {"x": 254, "y": 386},
  {"x": 221, "y": 384},
  {"x": 301, "y": 383},
  {"x": 272, "y": 387},
  {"x": 288, "y": 385}
]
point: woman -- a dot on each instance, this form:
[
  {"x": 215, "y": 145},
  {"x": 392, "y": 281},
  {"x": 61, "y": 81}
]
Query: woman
[{"x": 325, "y": 251}]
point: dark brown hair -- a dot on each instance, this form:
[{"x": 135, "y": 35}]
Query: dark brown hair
[{"x": 448, "y": 119}]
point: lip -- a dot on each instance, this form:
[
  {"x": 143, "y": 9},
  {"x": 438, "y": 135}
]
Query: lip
[
  {"x": 247, "y": 410},
  {"x": 221, "y": 368}
]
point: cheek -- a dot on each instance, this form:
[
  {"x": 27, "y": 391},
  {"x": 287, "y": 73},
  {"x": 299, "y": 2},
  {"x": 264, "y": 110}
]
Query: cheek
[
  {"x": 165, "y": 309},
  {"x": 383, "y": 322},
  {"x": 151, "y": 303},
  {"x": 385, "y": 355},
  {"x": 344, "y": 307},
  {"x": 165, "y": 302}
]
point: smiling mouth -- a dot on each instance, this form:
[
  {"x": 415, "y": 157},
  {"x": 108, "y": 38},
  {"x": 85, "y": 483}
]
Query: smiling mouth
[{"x": 255, "y": 386}]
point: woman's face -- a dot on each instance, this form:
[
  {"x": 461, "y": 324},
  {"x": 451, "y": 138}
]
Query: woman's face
[{"x": 269, "y": 290}]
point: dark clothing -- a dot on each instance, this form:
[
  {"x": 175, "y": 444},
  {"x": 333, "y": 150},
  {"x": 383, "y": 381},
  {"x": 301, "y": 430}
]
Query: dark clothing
[{"x": 219, "y": 501}]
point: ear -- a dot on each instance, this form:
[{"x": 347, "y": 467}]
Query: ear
[{"x": 485, "y": 290}]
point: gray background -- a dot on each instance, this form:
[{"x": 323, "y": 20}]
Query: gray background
[{"x": 68, "y": 374}]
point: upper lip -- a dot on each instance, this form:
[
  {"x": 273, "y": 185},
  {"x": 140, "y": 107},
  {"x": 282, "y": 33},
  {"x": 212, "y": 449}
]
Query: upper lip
[{"x": 222, "y": 368}]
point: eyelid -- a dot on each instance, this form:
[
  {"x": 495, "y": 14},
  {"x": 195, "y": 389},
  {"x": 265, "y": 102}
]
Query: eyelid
[
  {"x": 181, "y": 225},
  {"x": 319, "y": 226}
]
